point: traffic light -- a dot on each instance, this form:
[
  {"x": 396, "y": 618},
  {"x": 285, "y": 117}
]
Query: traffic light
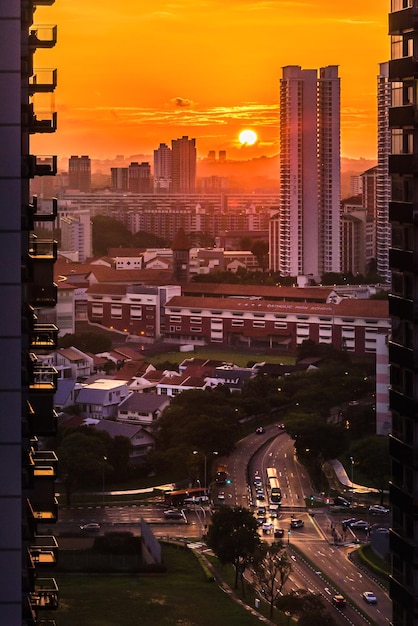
[{"x": 228, "y": 481}]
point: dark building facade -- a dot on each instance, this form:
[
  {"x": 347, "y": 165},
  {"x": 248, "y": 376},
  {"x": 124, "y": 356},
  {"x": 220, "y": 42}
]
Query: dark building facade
[
  {"x": 403, "y": 353},
  {"x": 27, "y": 493}
]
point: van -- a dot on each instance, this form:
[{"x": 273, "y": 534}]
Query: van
[{"x": 274, "y": 510}]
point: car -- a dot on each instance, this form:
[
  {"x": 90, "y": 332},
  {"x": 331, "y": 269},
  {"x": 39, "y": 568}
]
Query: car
[
  {"x": 296, "y": 523},
  {"x": 346, "y": 523},
  {"x": 260, "y": 495},
  {"x": 377, "y": 509},
  {"x": 278, "y": 533},
  {"x": 173, "y": 514},
  {"x": 281, "y": 426},
  {"x": 369, "y": 597},
  {"x": 261, "y": 510},
  {"x": 260, "y": 430},
  {"x": 339, "y": 601},
  {"x": 267, "y": 528},
  {"x": 92, "y": 527},
  {"x": 261, "y": 519},
  {"x": 360, "y": 524},
  {"x": 221, "y": 495},
  {"x": 340, "y": 501},
  {"x": 258, "y": 483}
]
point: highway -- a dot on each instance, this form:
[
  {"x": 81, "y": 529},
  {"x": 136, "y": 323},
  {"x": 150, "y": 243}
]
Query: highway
[{"x": 325, "y": 561}]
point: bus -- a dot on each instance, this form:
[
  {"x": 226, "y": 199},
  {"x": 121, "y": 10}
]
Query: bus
[
  {"x": 273, "y": 485},
  {"x": 178, "y": 497}
]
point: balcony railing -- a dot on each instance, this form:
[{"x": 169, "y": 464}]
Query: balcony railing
[
  {"x": 45, "y": 595},
  {"x": 43, "y": 295},
  {"x": 41, "y": 416},
  {"x": 43, "y": 249},
  {"x": 44, "y": 512},
  {"x": 43, "y": 81},
  {"x": 44, "y": 337},
  {"x": 39, "y": 166},
  {"x": 43, "y": 3},
  {"x": 45, "y": 378},
  {"x": 43, "y": 123},
  {"x": 42, "y": 36}
]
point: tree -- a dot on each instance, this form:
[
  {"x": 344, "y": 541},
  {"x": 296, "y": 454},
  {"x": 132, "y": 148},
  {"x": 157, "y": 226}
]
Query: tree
[
  {"x": 260, "y": 250},
  {"x": 270, "y": 569},
  {"x": 87, "y": 342},
  {"x": 108, "y": 233},
  {"x": 373, "y": 460},
  {"x": 234, "y": 538},
  {"x": 308, "y": 607}
]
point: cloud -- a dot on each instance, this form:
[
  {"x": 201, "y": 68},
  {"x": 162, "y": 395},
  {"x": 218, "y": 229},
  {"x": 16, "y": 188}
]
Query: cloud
[{"x": 182, "y": 102}]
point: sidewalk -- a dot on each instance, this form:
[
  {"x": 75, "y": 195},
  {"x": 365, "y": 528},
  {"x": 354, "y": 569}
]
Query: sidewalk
[{"x": 341, "y": 476}]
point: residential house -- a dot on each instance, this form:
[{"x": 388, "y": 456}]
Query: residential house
[
  {"x": 142, "y": 442},
  {"x": 142, "y": 408},
  {"x": 100, "y": 399},
  {"x": 73, "y": 363}
]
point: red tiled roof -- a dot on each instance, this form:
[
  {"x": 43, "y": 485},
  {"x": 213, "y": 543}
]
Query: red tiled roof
[{"x": 296, "y": 293}]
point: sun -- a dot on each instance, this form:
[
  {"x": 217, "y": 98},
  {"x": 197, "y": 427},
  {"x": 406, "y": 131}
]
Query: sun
[{"x": 248, "y": 137}]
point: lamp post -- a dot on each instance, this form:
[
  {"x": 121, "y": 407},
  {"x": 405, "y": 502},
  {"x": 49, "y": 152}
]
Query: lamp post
[
  {"x": 352, "y": 472},
  {"x": 103, "y": 477},
  {"x": 205, "y": 458}
]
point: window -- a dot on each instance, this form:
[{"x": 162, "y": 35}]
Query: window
[
  {"x": 97, "y": 310},
  {"x": 136, "y": 312},
  {"x": 195, "y": 320},
  {"x": 278, "y": 325},
  {"x": 175, "y": 318},
  {"x": 116, "y": 311},
  {"x": 259, "y": 324},
  {"x": 237, "y": 323},
  {"x": 196, "y": 329}
]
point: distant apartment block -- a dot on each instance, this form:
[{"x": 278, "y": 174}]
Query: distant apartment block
[
  {"x": 76, "y": 234},
  {"x": 183, "y": 165},
  {"x": 383, "y": 185},
  {"x": 79, "y": 173},
  {"x": 162, "y": 168},
  {"x": 309, "y": 215},
  {"x": 139, "y": 177}
]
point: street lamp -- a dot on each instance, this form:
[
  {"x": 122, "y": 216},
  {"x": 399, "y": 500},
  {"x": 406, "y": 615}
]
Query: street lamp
[
  {"x": 352, "y": 472},
  {"x": 103, "y": 477},
  {"x": 205, "y": 466}
]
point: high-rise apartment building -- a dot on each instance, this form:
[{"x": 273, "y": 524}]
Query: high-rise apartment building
[
  {"x": 183, "y": 165},
  {"x": 162, "y": 168},
  {"x": 309, "y": 241},
  {"x": 139, "y": 177},
  {"x": 27, "y": 493},
  {"x": 383, "y": 236},
  {"x": 79, "y": 173},
  {"x": 403, "y": 306}
]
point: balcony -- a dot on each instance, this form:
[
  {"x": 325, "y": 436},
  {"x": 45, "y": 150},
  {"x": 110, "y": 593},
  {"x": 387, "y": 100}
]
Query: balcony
[
  {"x": 401, "y": 69},
  {"x": 43, "y": 421},
  {"x": 44, "y": 460},
  {"x": 44, "y": 379},
  {"x": 399, "y": 21},
  {"x": 403, "y": 163},
  {"x": 43, "y": 123},
  {"x": 45, "y": 216},
  {"x": 43, "y": 337},
  {"x": 401, "y": 212},
  {"x": 42, "y": 36},
  {"x": 402, "y": 117},
  {"x": 39, "y": 166},
  {"x": 42, "y": 81},
  {"x": 45, "y": 595},
  {"x": 43, "y": 3},
  {"x": 43, "y": 512},
  {"x": 402, "y": 260},
  {"x": 40, "y": 295},
  {"x": 43, "y": 249}
]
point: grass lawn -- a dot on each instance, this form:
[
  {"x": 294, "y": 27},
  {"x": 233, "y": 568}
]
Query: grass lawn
[
  {"x": 182, "y": 596},
  {"x": 232, "y": 356}
]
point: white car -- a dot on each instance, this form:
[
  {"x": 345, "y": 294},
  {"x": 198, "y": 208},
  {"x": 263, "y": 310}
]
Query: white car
[
  {"x": 91, "y": 527},
  {"x": 377, "y": 509},
  {"x": 221, "y": 496},
  {"x": 369, "y": 597}
]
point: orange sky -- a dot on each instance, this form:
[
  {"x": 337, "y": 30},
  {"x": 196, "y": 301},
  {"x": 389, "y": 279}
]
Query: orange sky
[{"x": 134, "y": 73}]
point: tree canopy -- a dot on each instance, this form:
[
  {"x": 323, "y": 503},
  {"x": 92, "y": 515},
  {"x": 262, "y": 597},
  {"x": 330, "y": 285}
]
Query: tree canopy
[
  {"x": 233, "y": 537},
  {"x": 270, "y": 569}
]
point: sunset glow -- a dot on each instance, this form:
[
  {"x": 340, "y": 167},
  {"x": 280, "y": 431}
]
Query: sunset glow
[
  {"x": 248, "y": 137},
  {"x": 133, "y": 74}
]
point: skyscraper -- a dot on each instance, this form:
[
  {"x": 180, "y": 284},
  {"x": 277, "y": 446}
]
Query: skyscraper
[
  {"x": 79, "y": 173},
  {"x": 183, "y": 165},
  {"x": 27, "y": 493},
  {"x": 383, "y": 179},
  {"x": 139, "y": 177},
  {"x": 309, "y": 216},
  {"x": 162, "y": 168},
  {"x": 403, "y": 306}
]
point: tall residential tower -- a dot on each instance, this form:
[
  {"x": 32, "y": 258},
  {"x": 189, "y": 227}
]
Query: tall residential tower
[
  {"x": 183, "y": 165},
  {"x": 403, "y": 307},
  {"x": 27, "y": 492},
  {"x": 309, "y": 216}
]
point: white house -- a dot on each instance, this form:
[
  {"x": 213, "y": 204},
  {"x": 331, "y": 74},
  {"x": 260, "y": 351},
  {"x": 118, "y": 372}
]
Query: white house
[{"x": 100, "y": 399}]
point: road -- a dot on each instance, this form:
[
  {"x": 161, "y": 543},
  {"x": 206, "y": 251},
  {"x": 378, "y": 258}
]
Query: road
[{"x": 328, "y": 562}]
